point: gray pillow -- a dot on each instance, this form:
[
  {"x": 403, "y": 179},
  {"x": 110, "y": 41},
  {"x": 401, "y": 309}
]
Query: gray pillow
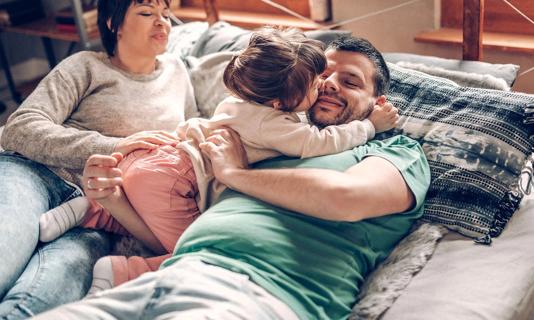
[
  {"x": 476, "y": 143},
  {"x": 223, "y": 36},
  {"x": 464, "y": 79},
  {"x": 182, "y": 38},
  {"x": 508, "y": 72}
]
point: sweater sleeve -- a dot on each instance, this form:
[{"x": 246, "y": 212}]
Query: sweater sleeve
[
  {"x": 284, "y": 134},
  {"x": 35, "y": 129}
]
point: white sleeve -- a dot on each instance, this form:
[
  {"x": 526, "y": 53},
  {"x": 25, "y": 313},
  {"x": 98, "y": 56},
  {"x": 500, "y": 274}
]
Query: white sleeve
[{"x": 284, "y": 134}]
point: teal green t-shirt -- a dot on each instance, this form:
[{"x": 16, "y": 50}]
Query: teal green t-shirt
[{"x": 315, "y": 266}]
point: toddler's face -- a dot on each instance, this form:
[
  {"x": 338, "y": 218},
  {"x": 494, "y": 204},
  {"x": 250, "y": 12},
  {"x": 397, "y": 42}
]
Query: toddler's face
[{"x": 311, "y": 97}]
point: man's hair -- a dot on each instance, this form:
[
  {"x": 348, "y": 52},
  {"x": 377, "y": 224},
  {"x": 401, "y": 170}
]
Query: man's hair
[
  {"x": 359, "y": 45},
  {"x": 277, "y": 64},
  {"x": 114, "y": 11}
]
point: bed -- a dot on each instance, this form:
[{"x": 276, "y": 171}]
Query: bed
[{"x": 438, "y": 271}]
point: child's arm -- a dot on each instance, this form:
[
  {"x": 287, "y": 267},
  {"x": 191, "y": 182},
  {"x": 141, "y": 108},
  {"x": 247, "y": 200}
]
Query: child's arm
[
  {"x": 286, "y": 135},
  {"x": 297, "y": 139}
]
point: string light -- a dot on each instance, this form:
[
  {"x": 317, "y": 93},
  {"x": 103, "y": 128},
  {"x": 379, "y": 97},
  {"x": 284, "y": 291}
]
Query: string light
[{"x": 341, "y": 23}]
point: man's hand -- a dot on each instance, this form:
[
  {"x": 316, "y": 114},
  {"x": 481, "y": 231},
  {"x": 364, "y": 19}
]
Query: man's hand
[
  {"x": 145, "y": 140},
  {"x": 384, "y": 116},
  {"x": 226, "y": 152}
]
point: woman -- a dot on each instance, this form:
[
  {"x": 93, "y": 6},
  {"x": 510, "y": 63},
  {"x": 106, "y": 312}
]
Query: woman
[{"x": 90, "y": 103}]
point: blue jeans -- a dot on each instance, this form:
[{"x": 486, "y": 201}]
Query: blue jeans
[
  {"x": 34, "y": 276},
  {"x": 188, "y": 289}
]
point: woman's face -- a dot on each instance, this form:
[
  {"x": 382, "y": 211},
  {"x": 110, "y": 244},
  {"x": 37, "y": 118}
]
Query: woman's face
[{"x": 145, "y": 29}]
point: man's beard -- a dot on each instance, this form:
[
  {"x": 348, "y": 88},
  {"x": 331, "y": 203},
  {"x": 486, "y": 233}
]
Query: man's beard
[{"x": 346, "y": 115}]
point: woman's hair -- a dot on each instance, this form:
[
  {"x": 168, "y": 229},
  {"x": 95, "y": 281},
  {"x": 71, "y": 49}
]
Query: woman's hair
[
  {"x": 114, "y": 11},
  {"x": 277, "y": 64}
]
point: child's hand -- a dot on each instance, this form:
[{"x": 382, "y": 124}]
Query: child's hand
[{"x": 384, "y": 116}]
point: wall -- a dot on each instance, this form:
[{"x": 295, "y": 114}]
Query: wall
[
  {"x": 392, "y": 31},
  {"x": 395, "y": 30}
]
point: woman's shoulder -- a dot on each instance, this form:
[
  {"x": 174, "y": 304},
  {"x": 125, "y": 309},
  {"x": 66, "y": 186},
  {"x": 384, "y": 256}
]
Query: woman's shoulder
[
  {"x": 84, "y": 56},
  {"x": 83, "y": 60},
  {"x": 169, "y": 60}
]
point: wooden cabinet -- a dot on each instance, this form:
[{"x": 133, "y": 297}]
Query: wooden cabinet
[{"x": 47, "y": 31}]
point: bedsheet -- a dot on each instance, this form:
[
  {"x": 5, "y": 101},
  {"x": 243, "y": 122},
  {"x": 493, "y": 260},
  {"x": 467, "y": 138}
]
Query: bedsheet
[{"x": 464, "y": 280}]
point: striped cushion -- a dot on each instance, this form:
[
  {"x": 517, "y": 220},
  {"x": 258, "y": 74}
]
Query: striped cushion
[{"x": 476, "y": 143}]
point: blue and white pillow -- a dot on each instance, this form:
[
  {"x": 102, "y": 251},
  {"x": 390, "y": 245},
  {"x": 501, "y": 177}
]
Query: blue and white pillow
[{"x": 476, "y": 142}]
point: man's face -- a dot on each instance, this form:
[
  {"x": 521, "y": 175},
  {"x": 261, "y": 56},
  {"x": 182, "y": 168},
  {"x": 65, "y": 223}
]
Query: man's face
[{"x": 348, "y": 90}]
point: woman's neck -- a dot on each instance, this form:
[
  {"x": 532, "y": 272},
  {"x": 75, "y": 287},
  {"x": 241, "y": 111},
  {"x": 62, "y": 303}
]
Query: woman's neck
[{"x": 134, "y": 63}]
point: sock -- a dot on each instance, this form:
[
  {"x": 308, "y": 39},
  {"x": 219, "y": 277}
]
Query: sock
[
  {"x": 59, "y": 220},
  {"x": 102, "y": 276}
]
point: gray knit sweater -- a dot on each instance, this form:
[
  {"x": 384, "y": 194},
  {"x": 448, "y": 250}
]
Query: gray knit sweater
[{"x": 85, "y": 105}]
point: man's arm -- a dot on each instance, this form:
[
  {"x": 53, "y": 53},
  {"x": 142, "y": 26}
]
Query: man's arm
[{"x": 371, "y": 188}]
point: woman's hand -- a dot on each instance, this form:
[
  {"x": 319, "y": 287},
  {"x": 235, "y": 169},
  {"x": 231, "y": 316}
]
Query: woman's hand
[
  {"x": 226, "y": 153},
  {"x": 145, "y": 140},
  {"x": 102, "y": 179}
]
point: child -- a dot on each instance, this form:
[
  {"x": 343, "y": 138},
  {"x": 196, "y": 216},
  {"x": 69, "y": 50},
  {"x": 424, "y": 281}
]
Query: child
[{"x": 276, "y": 76}]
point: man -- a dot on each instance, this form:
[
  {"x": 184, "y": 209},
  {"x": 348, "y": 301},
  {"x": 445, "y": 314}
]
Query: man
[{"x": 300, "y": 243}]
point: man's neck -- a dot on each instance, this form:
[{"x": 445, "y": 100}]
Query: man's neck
[{"x": 132, "y": 63}]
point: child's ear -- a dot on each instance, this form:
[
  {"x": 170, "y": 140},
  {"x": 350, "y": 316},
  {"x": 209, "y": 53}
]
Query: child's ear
[{"x": 277, "y": 104}]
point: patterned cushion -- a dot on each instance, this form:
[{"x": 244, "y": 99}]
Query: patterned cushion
[{"x": 476, "y": 143}]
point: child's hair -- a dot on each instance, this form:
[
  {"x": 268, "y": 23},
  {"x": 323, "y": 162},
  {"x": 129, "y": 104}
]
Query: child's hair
[{"x": 277, "y": 64}]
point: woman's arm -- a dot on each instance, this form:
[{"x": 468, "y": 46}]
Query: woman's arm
[
  {"x": 37, "y": 128},
  {"x": 105, "y": 181}
]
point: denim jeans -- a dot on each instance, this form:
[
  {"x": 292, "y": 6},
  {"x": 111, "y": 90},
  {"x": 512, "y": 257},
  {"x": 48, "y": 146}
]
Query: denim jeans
[
  {"x": 34, "y": 276},
  {"x": 188, "y": 289}
]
